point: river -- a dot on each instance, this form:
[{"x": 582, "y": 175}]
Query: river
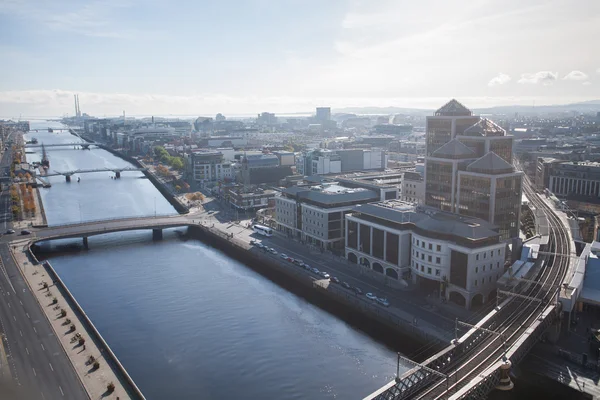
[{"x": 187, "y": 321}]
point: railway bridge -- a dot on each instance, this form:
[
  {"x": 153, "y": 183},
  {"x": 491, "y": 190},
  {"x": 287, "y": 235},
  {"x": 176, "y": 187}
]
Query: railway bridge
[{"x": 479, "y": 361}]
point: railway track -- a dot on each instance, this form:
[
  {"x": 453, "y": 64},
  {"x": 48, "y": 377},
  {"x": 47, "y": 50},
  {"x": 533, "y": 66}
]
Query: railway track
[{"x": 510, "y": 322}]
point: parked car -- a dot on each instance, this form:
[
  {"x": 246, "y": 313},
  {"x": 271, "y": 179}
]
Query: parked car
[
  {"x": 284, "y": 256},
  {"x": 273, "y": 251},
  {"x": 10, "y": 231},
  {"x": 25, "y": 232},
  {"x": 383, "y": 302},
  {"x": 307, "y": 267},
  {"x": 371, "y": 296},
  {"x": 334, "y": 279},
  {"x": 357, "y": 290},
  {"x": 290, "y": 259},
  {"x": 316, "y": 271},
  {"x": 346, "y": 285},
  {"x": 298, "y": 262},
  {"x": 253, "y": 242},
  {"x": 325, "y": 275}
]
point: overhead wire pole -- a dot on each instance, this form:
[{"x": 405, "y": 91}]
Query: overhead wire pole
[{"x": 416, "y": 364}]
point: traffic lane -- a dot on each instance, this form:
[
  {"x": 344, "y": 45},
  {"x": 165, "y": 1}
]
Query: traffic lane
[
  {"x": 400, "y": 300},
  {"x": 63, "y": 375},
  {"x": 344, "y": 274}
]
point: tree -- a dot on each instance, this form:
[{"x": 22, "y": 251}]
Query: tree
[{"x": 177, "y": 163}]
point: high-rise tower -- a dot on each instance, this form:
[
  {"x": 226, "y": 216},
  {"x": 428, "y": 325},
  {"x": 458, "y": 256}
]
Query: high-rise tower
[{"x": 468, "y": 168}]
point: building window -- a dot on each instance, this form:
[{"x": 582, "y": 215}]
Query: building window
[
  {"x": 429, "y": 271},
  {"x": 484, "y": 255},
  {"x": 417, "y": 254},
  {"x": 498, "y": 264},
  {"x": 439, "y": 247},
  {"x": 417, "y": 242},
  {"x": 423, "y": 244},
  {"x": 430, "y": 246},
  {"x": 490, "y": 279},
  {"x": 491, "y": 253},
  {"x": 438, "y": 260},
  {"x": 498, "y": 251},
  {"x": 476, "y": 270},
  {"x": 422, "y": 268},
  {"x": 477, "y": 257},
  {"x": 437, "y": 272},
  {"x": 483, "y": 267},
  {"x": 475, "y": 282},
  {"x": 429, "y": 258},
  {"x": 422, "y": 256}
]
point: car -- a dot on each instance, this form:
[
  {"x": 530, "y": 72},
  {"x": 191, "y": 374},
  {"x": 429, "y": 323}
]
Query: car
[
  {"x": 10, "y": 231},
  {"x": 253, "y": 242},
  {"x": 345, "y": 285},
  {"x": 357, "y": 290},
  {"x": 371, "y": 296},
  {"x": 307, "y": 267},
  {"x": 383, "y": 302},
  {"x": 273, "y": 251},
  {"x": 334, "y": 279},
  {"x": 325, "y": 275},
  {"x": 290, "y": 259},
  {"x": 284, "y": 256},
  {"x": 298, "y": 262},
  {"x": 259, "y": 245},
  {"x": 25, "y": 232},
  {"x": 316, "y": 271}
]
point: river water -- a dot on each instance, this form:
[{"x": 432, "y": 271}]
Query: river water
[{"x": 187, "y": 321}]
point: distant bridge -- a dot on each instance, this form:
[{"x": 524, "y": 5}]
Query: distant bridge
[
  {"x": 84, "y": 145},
  {"x": 68, "y": 174}
]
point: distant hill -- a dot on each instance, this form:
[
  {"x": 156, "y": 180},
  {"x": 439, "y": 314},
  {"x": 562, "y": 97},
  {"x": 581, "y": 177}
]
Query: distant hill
[{"x": 584, "y": 106}]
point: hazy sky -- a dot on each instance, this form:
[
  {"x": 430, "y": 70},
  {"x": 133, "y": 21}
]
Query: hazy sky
[{"x": 200, "y": 57}]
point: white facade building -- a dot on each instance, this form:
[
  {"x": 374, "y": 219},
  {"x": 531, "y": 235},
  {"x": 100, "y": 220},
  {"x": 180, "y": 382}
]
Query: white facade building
[{"x": 457, "y": 258}]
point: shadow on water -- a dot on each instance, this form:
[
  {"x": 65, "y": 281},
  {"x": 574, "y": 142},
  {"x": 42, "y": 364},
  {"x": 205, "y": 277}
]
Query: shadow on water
[{"x": 392, "y": 339}]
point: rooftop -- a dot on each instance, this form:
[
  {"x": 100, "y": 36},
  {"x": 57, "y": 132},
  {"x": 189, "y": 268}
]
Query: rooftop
[
  {"x": 432, "y": 220},
  {"x": 331, "y": 194},
  {"x": 484, "y": 127},
  {"x": 454, "y": 149},
  {"x": 491, "y": 163},
  {"x": 453, "y": 108}
]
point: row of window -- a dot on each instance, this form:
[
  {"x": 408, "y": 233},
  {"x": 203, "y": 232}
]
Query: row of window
[
  {"x": 484, "y": 267},
  {"x": 429, "y": 270},
  {"x": 422, "y": 243},
  {"x": 438, "y": 260},
  {"x": 476, "y": 281},
  {"x": 485, "y": 254}
]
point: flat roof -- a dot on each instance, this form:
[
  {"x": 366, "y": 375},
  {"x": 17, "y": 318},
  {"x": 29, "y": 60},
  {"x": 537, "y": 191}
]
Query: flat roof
[
  {"x": 332, "y": 194},
  {"x": 429, "y": 219}
]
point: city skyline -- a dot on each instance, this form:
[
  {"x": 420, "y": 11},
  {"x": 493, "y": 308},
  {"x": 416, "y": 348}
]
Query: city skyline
[{"x": 260, "y": 55}]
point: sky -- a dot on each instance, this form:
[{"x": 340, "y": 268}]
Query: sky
[{"x": 197, "y": 57}]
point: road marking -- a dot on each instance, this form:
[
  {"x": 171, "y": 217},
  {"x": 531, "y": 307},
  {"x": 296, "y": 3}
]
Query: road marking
[
  {"x": 51, "y": 367},
  {"x": 28, "y": 315},
  {"x": 8, "y": 305},
  {"x": 43, "y": 397},
  {"x": 41, "y": 344},
  {"x": 21, "y": 332},
  {"x": 35, "y": 330},
  {"x": 15, "y": 318},
  {"x": 27, "y": 350},
  {"x": 34, "y": 372},
  {"x": 61, "y": 392},
  {"x": 21, "y": 302}
]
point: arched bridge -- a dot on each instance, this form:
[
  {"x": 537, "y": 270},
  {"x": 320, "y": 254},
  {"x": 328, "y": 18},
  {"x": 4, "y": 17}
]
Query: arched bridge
[
  {"x": 83, "y": 145},
  {"x": 92, "y": 228}
]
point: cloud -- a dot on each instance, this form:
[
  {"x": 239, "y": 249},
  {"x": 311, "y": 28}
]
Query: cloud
[
  {"x": 598, "y": 70},
  {"x": 576, "y": 76},
  {"x": 543, "y": 77},
  {"x": 586, "y": 83},
  {"x": 500, "y": 79}
]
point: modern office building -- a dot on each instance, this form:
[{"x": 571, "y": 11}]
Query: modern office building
[
  {"x": 323, "y": 114},
  {"x": 413, "y": 188},
  {"x": 315, "y": 214},
  {"x": 208, "y": 166},
  {"x": 456, "y": 257},
  {"x": 322, "y": 161},
  {"x": 574, "y": 179},
  {"x": 257, "y": 169},
  {"x": 468, "y": 168}
]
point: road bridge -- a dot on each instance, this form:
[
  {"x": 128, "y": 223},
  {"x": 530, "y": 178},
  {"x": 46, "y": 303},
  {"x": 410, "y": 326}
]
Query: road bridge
[
  {"x": 68, "y": 174},
  {"x": 83, "y": 145},
  {"x": 93, "y": 228},
  {"x": 479, "y": 361}
]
